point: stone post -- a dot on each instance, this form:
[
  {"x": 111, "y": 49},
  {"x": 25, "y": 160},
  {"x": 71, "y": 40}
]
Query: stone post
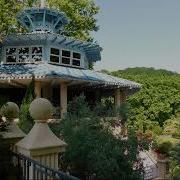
[
  {"x": 63, "y": 99},
  {"x": 13, "y": 134},
  {"x": 41, "y": 144}
]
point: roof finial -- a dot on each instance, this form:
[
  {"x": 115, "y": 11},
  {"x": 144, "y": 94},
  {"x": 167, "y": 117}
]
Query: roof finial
[{"x": 43, "y": 3}]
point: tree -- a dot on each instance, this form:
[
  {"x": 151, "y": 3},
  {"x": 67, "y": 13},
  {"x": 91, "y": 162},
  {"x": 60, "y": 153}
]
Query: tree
[
  {"x": 157, "y": 101},
  {"x": 25, "y": 120},
  {"x": 93, "y": 150},
  {"x": 175, "y": 162},
  {"x": 8, "y": 22},
  {"x": 81, "y": 14}
]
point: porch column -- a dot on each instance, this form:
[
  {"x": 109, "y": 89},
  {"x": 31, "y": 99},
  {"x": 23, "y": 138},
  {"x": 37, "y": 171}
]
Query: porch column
[
  {"x": 63, "y": 99},
  {"x": 119, "y": 98},
  {"x": 37, "y": 89},
  {"x": 47, "y": 91},
  {"x": 122, "y": 97}
]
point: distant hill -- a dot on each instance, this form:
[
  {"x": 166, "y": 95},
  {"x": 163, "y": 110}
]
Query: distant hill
[{"x": 157, "y": 101}]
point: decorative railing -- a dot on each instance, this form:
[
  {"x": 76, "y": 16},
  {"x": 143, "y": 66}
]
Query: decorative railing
[{"x": 31, "y": 169}]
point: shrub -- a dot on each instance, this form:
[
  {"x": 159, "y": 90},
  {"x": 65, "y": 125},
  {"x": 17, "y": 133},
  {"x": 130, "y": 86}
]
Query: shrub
[
  {"x": 92, "y": 148},
  {"x": 26, "y": 121},
  {"x": 165, "y": 147}
]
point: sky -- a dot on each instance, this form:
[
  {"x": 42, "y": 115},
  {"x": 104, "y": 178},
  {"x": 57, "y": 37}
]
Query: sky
[{"x": 139, "y": 33}]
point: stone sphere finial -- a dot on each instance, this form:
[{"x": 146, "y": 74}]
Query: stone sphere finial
[
  {"x": 41, "y": 110},
  {"x": 10, "y": 110}
]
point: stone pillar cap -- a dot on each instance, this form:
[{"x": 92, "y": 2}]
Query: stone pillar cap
[
  {"x": 10, "y": 110},
  {"x": 40, "y": 136},
  {"x": 41, "y": 110}
]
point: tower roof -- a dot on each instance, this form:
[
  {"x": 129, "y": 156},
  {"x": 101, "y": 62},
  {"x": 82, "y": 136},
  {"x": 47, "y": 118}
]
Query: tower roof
[{"x": 42, "y": 19}]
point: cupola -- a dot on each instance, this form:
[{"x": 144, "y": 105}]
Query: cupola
[
  {"x": 44, "y": 42},
  {"x": 42, "y": 19}
]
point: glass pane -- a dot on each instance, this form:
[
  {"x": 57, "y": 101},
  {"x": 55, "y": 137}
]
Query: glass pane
[
  {"x": 37, "y": 58},
  {"x": 50, "y": 18},
  {"x": 24, "y": 58},
  {"x": 66, "y": 53},
  {"x": 76, "y": 62},
  {"x": 65, "y": 60},
  {"x": 76, "y": 55},
  {"x": 54, "y": 59},
  {"x": 24, "y": 50},
  {"x": 54, "y": 51},
  {"x": 38, "y": 16},
  {"x": 37, "y": 50},
  {"x": 10, "y": 51},
  {"x": 11, "y": 59}
]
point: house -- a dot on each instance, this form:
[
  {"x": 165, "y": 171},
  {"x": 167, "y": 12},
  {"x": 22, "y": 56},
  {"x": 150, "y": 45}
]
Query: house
[{"x": 59, "y": 64}]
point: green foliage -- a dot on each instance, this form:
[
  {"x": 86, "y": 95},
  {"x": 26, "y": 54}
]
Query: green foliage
[
  {"x": 172, "y": 127},
  {"x": 165, "y": 147},
  {"x": 105, "y": 108},
  {"x": 175, "y": 161},
  {"x": 157, "y": 101},
  {"x": 124, "y": 111},
  {"x": 92, "y": 148},
  {"x": 81, "y": 14},
  {"x": 8, "y": 23},
  {"x": 25, "y": 120}
]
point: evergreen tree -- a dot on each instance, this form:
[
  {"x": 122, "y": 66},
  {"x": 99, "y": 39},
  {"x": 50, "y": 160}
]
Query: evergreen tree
[{"x": 26, "y": 121}]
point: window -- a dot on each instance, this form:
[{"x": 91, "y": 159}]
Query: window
[
  {"x": 23, "y": 54},
  {"x": 10, "y": 51},
  {"x": 66, "y": 53},
  {"x": 76, "y": 55},
  {"x": 66, "y": 57},
  {"x": 76, "y": 59},
  {"x": 76, "y": 62},
  {"x": 54, "y": 57},
  {"x": 54, "y": 51},
  {"x": 65, "y": 60},
  {"x": 36, "y": 54},
  {"x": 36, "y": 58},
  {"x": 11, "y": 55},
  {"x": 37, "y": 50},
  {"x": 24, "y": 50},
  {"x": 24, "y": 59},
  {"x": 11, "y": 59}
]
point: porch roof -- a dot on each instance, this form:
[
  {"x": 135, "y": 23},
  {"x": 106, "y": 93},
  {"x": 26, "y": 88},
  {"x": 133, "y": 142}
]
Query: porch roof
[{"x": 45, "y": 70}]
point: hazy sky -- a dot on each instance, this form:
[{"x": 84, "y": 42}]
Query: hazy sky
[{"x": 139, "y": 33}]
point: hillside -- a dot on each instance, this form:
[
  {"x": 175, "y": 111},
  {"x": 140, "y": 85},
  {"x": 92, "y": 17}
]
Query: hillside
[{"x": 157, "y": 101}]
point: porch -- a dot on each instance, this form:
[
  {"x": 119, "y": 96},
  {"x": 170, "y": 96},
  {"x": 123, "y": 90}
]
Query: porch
[{"x": 60, "y": 84}]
